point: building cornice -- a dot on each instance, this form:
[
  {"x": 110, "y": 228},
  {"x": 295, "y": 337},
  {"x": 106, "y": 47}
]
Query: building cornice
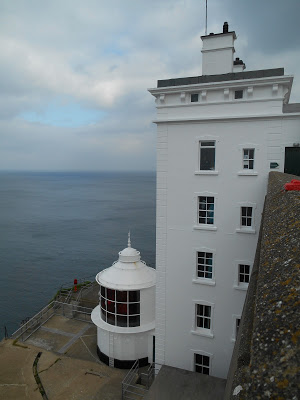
[
  {"x": 225, "y": 118},
  {"x": 286, "y": 79}
]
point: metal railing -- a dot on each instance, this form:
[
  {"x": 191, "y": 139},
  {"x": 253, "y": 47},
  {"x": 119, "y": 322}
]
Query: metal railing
[
  {"x": 55, "y": 307},
  {"x": 136, "y": 384}
]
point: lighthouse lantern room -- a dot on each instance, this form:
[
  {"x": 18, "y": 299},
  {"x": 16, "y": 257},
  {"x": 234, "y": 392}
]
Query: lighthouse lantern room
[{"x": 125, "y": 317}]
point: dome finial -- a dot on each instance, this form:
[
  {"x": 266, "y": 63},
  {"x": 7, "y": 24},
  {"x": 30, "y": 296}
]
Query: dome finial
[{"x": 129, "y": 242}]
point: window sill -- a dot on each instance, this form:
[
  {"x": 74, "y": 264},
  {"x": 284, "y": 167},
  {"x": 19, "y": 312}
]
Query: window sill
[
  {"x": 199, "y": 332},
  {"x": 247, "y": 173},
  {"x": 240, "y": 287},
  {"x": 208, "y": 282},
  {"x": 203, "y": 172},
  {"x": 243, "y": 230},
  {"x": 205, "y": 227}
]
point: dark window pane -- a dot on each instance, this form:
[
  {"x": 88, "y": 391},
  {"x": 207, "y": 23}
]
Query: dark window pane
[
  {"x": 206, "y": 361},
  {"x": 207, "y": 144},
  {"x": 110, "y": 294},
  {"x": 134, "y": 320},
  {"x": 238, "y": 94},
  {"x": 103, "y": 291},
  {"x": 103, "y": 314},
  {"x": 198, "y": 358},
  {"x": 134, "y": 308},
  {"x": 121, "y": 296},
  {"x": 194, "y": 97},
  {"x": 207, "y": 159},
  {"x": 103, "y": 303},
  {"x": 251, "y": 164},
  {"x": 121, "y": 320},
  {"x": 134, "y": 296},
  {"x": 198, "y": 368},
  {"x": 110, "y": 319},
  {"x": 206, "y": 323},
  {"x": 121, "y": 308},
  {"x": 111, "y": 306},
  {"x": 207, "y": 311},
  {"x": 205, "y": 371}
]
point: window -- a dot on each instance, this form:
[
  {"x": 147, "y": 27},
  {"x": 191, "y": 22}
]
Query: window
[
  {"x": 244, "y": 274},
  {"x": 246, "y": 217},
  {"x": 203, "y": 316},
  {"x": 248, "y": 158},
  {"x": 206, "y": 210},
  {"x": 204, "y": 265},
  {"x": 207, "y": 155},
  {"x": 238, "y": 94},
  {"x": 237, "y": 325},
  {"x": 121, "y": 308},
  {"x": 202, "y": 364},
  {"x": 194, "y": 97}
]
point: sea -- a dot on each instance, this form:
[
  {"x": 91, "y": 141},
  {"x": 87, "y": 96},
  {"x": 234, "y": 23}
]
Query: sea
[{"x": 60, "y": 226}]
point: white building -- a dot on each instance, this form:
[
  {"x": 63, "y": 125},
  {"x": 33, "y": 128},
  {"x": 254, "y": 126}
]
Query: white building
[
  {"x": 125, "y": 317},
  {"x": 218, "y": 136}
]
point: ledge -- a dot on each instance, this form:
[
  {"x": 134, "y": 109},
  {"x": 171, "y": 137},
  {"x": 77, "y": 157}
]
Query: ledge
[
  {"x": 205, "y": 227},
  {"x": 209, "y": 282},
  {"x": 241, "y": 230},
  {"x": 202, "y": 333},
  {"x": 247, "y": 173},
  {"x": 206, "y": 172}
]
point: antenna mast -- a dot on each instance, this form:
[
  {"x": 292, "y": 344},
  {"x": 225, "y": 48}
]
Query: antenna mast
[{"x": 205, "y": 17}]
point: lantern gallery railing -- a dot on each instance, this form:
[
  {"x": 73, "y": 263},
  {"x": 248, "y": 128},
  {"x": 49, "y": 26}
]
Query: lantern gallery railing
[{"x": 54, "y": 308}]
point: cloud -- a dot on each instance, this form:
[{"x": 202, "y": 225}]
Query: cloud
[{"x": 74, "y": 75}]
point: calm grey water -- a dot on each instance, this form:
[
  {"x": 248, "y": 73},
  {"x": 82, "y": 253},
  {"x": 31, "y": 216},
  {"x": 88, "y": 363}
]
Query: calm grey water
[{"x": 55, "y": 227}]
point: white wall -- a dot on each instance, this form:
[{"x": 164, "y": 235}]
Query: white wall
[
  {"x": 124, "y": 346},
  {"x": 178, "y": 185}
]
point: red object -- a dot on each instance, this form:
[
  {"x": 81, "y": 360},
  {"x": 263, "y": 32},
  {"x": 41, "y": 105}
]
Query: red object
[
  {"x": 75, "y": 288},
  {"x": 75, "y": 281},
  {"x": 293, "y": 185}
]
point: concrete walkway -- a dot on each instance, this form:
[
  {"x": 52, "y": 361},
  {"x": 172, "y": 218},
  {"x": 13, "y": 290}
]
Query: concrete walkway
[{"x": 178, "y": 384}]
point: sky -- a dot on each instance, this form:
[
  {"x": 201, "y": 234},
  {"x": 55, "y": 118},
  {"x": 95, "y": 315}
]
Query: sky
[{"x": 74, "y": 74}]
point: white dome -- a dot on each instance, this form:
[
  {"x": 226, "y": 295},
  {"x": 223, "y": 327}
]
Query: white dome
[{"x": 128, "y": 273}]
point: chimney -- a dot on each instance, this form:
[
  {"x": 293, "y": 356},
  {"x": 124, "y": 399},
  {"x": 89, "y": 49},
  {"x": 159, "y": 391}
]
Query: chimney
[{"x": 217, "y": 52}]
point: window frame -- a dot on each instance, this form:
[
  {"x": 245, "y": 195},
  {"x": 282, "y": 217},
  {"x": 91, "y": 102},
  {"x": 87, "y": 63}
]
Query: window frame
[
  {"x": 115, "y": 309},
  {"x": 246, "y": 228},
  {"x": 202, "y": 365},
  {"x": 205, "y": 226},
  {"x": 202, "y": 280},
  {"x": 194, "y": 101},
  {"x": 236, "y": 92},
  {"x": 202, "y": 331},
  {"x": 248, "y": 160},
  {"x": 245, "y": 171},
  {"x": 203, "y": 147},
  {"x": 206, "y": 138},
  {"x": 235, "y": 318},
  {"x": 237, "y": 282}
]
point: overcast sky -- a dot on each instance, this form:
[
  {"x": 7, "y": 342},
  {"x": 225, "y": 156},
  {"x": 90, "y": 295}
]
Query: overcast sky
[{"x": 74, "y": 74}]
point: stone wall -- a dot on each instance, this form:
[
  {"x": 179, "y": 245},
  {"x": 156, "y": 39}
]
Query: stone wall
[{"x": 265, "y": 362}]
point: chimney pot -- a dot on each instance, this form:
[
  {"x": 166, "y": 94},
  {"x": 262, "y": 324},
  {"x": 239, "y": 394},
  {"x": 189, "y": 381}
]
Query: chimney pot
[{"x": 225, "y": 27}]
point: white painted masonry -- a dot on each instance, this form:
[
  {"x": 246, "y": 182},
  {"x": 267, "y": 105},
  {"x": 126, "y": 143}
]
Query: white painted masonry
[
  {"x": 117, "y": 342},
  {"x": 255, "y": 121}
]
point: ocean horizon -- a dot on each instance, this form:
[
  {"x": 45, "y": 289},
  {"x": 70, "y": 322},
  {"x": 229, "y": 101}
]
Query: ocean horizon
[{"x": 61, "y": 225}]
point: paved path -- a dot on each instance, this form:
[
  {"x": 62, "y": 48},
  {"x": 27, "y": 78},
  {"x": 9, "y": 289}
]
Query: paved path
[{"x": 73, "y": 340}]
